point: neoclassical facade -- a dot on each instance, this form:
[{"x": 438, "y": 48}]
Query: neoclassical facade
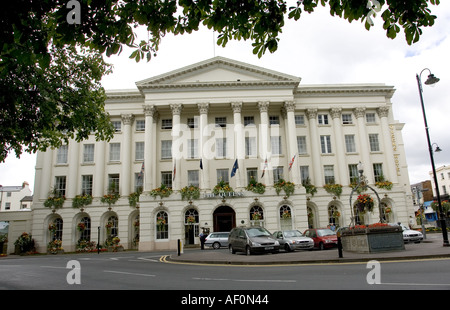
[{"x": 194, "y": 139}]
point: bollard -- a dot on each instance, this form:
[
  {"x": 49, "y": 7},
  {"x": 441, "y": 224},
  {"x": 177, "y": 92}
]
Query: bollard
[
  {"x": 339, "y": 245},
  {"x": 179, "y": 246}
]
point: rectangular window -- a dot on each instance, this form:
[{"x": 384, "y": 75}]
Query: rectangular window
[
  {"x": 301, "y": 144},
  {"x": 299, "y": 120},
  {"x": 221, "y": 147},
  {"x": 221, "y": 122},
  {"x": 166, "y": 149},
  {"x": 350, "y": 143},
  {"x": 117, "y": 126},
  {"x": 192, "y": 122},
  {"x": 113, "y": 183},
  {"x": 61, "y": 156},
  {"x": 252, "y": 174},
  {"x": 378, "y": 172},
  {"x": 192, "y": 148},
  {"x": 138, "y": 181},
  {"x": 88, "y": 153},
  {"x": 353, "y": 173},
  {"x": 114, "y": 152},
  {"x": 86, "y": 184},
  {"x": 274, "y": 120},
  {"x": 277, "y": 174},
  {"x": 373, "y": 141},
  {"x": 139, "y": 153},
  {"x": 193, "y": 178},
  {"x": 166, "y": 178},
  {"x": 60, "y": 186},
  {"x": 370, "y": 118},
  {"x": 166, "y": 123},
  {"x": 250, "y": 146},
  {"x": 249, "y": 120},
  {"x": 304, "y": 173},
  {"x": 325, "y": 144},
  {"x": 322, "y": 119},
  {"x": 347, "y": 119},
  {"x": 275, "y": 143},
  {"x": 140, "y": 125},
  {"x": 329, "y": 174},
  {"x": 222, "y": 175}
]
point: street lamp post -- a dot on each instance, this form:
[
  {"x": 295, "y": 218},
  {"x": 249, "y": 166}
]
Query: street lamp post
[{"x": 430, "y": 81}]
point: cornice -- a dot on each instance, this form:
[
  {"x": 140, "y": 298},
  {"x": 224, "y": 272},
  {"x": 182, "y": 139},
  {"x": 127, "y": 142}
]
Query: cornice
[{"x": 345, "y": 90}]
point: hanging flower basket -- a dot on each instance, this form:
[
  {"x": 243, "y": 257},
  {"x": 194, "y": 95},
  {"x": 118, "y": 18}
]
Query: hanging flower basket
[
  {"x": 133, "y": 199},
  {"x": 54, "y": 201},
  {"x": 364, "y": 203},
  {"x": 81, "y": 201},
  {"x": 190, "y": 192},
  {"x": 81, "y": 227},
  {"x": 334, "y": 189},
  {"x": 287, "y": 187},
  {"x": 110, "y": 199},
  {"x": 256, "y": 187},
  {"x": 384, "y": 184},
  {"x": 222, "y": 187},
  {"x": 163, "y": 191}
]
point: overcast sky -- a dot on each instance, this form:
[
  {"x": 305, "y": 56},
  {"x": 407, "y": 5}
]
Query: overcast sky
[{"x": 320, "y": 49}]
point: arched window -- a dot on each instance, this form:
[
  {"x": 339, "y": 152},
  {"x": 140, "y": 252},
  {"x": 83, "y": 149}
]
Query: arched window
[
  {"x": 58, "y": 224},
  {"x": 310, "y": 214},
  {"x": 285, "y": 217},
  {"x": 257, "y": 216},
  {"x": 162, "y": 225},
  {"x": 333, "y": 215},
  {"x": 84, "y": 227},
  {"x": 191, "y": 227},
  {"x": 112, "y": 226}
]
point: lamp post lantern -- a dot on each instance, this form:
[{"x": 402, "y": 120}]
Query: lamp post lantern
[{"x": 430, "y": 81}]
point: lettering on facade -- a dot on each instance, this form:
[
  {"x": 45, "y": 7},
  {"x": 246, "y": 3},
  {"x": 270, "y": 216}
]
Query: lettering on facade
[{"x": 224, "y": 195}]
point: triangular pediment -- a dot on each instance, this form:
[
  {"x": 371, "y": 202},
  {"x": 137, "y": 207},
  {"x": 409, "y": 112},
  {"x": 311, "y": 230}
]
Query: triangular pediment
[{"x": 218, "y": 71}]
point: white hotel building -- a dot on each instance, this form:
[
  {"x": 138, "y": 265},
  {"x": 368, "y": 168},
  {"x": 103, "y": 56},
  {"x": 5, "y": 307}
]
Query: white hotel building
[{"x": 219, "y": 112}]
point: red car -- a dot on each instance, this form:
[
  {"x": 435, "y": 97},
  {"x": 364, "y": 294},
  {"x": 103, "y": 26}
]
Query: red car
[{"x": 323, "y": 237}]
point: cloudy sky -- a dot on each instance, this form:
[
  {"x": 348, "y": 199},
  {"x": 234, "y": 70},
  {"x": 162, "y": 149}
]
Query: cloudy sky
[{"x": 320, "y": 49}]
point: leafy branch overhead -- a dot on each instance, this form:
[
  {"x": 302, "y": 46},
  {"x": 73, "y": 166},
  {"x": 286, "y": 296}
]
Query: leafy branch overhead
[{"x": 50, "y": 69}]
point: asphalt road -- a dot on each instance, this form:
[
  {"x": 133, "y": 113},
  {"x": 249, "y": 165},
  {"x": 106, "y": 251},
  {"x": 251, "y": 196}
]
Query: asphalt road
[{"x": 145, "y": 271}]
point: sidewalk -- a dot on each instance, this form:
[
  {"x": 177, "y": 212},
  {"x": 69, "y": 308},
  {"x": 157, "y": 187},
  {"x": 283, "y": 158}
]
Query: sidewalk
[{"x": 432, "y": 247}]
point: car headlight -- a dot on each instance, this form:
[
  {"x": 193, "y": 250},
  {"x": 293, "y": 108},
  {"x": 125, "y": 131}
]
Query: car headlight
[
  {"x": 276, "y": 242},
  {"x": 255, "y": 244}
]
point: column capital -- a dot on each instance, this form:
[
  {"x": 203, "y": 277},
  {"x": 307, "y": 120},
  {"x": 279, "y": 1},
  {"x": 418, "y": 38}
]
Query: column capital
[
  {"x": 203, "y": 107},
  {"x": 149, "y": 109},
  {"x": 359, "y": 112},
  {"x": 127, "y": 119},
  {"x": 383, "y": 111},
  {"x": 236, "y": 106},
  {"x": 311, "y": 113},
  {"x": 176, "y": 108},
  {"x": 289, "y": 106},
  {"x": 263, "y": 106},
  {"x": 335, "y": 112}
]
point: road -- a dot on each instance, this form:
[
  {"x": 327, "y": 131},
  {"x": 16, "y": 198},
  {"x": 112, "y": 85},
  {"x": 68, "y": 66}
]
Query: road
[{"x": 146, "y": 271}]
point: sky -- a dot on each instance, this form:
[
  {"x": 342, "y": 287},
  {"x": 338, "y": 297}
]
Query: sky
[{"x": 320, "y": 49}]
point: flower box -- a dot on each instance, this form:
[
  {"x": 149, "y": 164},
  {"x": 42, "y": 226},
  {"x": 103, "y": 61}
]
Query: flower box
[{"x": 372, "y": 239}]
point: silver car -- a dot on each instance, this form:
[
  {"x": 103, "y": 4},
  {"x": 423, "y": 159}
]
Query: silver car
[
  {"x": 217, "y": 240},
  {"x": 291, "y": 240}
]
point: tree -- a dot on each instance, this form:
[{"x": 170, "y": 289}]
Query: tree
[{"x": 51, "y": 51}]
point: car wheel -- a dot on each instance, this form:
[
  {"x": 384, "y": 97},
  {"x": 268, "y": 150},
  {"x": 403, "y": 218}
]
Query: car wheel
[
  {"x": 216, "y": 245},
  {"x": 248, "y": 251},
  {"x": 287, "y": 248},
  {"x": 230, "y": 248},
  {"x": 321, "y": 246}
]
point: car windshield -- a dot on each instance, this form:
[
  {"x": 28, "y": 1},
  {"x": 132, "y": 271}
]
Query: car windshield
[
  {"x": 325, "y": 232},
  {"x": 257, "y": 232},
  {"x": 292, "y": 233}
]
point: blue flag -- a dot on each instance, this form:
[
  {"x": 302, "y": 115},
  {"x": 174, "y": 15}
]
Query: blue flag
[{"x": 235, "y": 167}]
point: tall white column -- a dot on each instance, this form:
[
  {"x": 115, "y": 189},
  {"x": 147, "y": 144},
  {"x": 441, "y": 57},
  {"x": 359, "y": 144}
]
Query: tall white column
[
  {"x": 265, "y": 141},
  {"x": 292, "y": 140},
  {"x": 340, "y": 150},
  {"x": 126, "y": 172},
  {"x": 390, "y": 171},
  {"x": 364, "y": 149},
  {"x": 203, "y": 134},
  {"x": 47, "y": 173},
  {"x": 176, "y": 145},
  {"x": 318, "y": 181},
  {"x": 72, "y": 184},
  {"x": 149, "y": 111},
  {"x": 99, "y": 177},
  {"x": 239, "y": 143}
]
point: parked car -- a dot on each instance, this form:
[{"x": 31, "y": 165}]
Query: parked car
[
  {"x": 252, "y": 240},
  {"x": 291, "y": 240},
  {"x": 323, "y": 237},
  {"x": 410, "y": 235},
  {"x": 216, "y": 240}
]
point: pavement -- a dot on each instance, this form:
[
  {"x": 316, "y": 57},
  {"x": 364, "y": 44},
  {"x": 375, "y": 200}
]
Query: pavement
[{"x": 431, "y": 247}]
